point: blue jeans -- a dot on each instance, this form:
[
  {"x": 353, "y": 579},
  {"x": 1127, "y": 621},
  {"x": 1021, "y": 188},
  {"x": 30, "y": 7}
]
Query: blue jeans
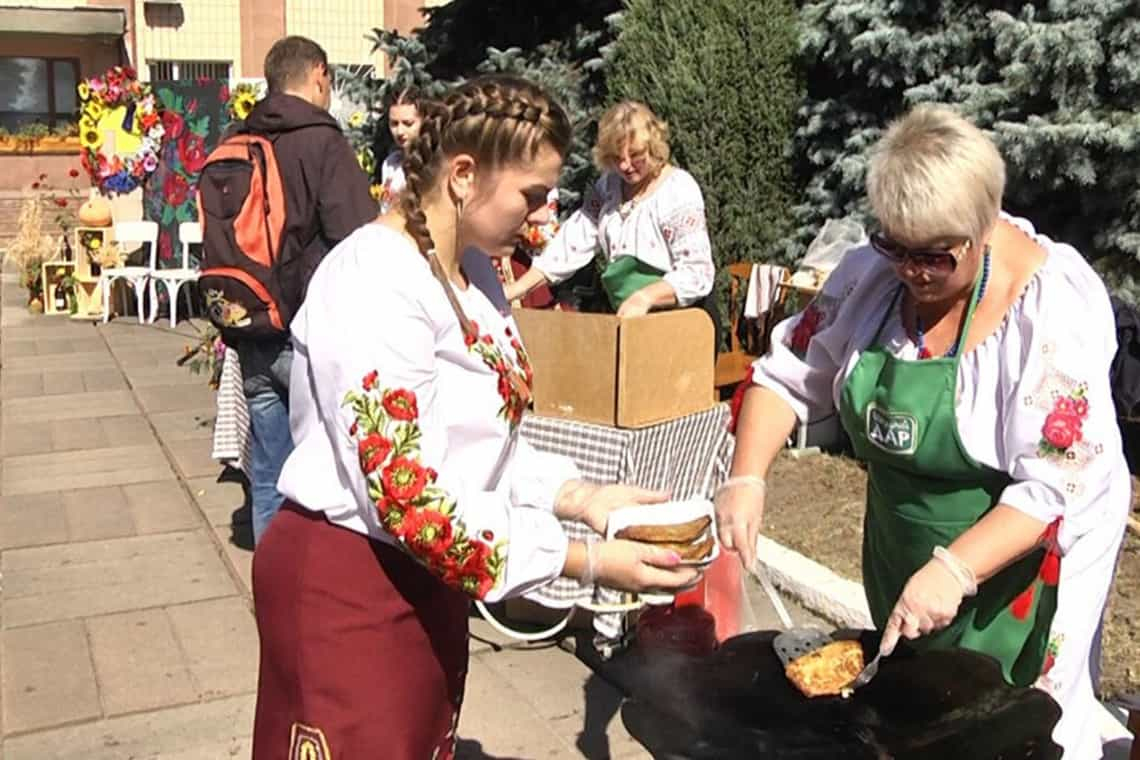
[{"x": 265, "y": 375}]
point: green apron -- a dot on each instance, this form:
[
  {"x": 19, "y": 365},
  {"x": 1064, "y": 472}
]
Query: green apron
[
  {"x": 924, "y": 490},
  {"x": 626, "y": 275}
]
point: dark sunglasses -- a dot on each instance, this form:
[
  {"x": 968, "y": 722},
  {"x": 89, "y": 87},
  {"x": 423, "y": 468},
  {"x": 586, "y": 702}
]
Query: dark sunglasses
[{"x": 937, "y": 260}]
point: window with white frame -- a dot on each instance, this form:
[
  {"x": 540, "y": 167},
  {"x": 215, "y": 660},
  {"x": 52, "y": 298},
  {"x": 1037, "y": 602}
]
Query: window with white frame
[{"x": 174, "y": 71}]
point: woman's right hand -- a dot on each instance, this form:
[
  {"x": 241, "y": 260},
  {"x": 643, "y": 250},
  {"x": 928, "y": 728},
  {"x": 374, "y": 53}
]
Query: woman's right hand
[
  {"x": 636, "y": 566},
  {"x": 739, "y": 515}
]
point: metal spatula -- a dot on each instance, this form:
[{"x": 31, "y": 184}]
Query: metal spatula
[{"x": 867, "y": 673}]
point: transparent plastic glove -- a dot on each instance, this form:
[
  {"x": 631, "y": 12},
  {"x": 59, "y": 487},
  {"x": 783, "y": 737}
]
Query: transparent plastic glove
[
  {"x": 635, "y": 566},
  {"x": 592, "y": 504},
  {"x": 929, "y": 602},
  {"x": 739, "y": 505}
]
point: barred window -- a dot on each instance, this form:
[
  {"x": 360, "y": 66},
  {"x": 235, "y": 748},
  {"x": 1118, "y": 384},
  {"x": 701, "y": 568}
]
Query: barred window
[{"x": 173, "y": 71}]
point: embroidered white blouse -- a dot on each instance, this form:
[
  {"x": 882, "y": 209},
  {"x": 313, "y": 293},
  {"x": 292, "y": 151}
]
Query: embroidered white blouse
[
  {"x": 666, "y": 230},
  {"x": 1033, "y": 399},
  {"x": 407, "y": 434},
  {"x": 392, "y": 178}
]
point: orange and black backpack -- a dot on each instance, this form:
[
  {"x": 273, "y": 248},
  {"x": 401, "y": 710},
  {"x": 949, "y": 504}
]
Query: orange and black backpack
[{"x": 241, "y": 207}]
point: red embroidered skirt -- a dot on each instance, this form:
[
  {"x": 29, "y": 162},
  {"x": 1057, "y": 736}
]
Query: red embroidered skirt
[{"x": 363, "y": 652}]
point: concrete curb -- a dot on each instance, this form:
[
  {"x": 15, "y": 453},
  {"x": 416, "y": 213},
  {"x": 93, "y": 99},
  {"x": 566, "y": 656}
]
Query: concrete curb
[
  {"x": 844, "y": 602},
  {"x": 819, "y": 588}
]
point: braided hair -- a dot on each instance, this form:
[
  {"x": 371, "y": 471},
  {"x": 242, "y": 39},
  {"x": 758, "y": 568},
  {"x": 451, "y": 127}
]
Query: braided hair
[{"x": 499, "y": 120}]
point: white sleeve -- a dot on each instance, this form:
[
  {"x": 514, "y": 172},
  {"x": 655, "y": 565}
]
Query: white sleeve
[
  {"x": 685, "y": 232},
  {"x": 371, "y": 341},
  {"x": 1061, "y": 441},
  {"x": 536, "y": 476},
  {"x": 809, "y": 350},
  {"x": 577, "y": 240}
]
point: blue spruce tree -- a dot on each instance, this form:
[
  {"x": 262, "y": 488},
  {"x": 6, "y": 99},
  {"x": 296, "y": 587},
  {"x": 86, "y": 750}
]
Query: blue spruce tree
[{"x": 1055, "y": 82}]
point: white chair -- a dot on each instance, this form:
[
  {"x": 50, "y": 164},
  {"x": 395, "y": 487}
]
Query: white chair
[
  {"x": 189, "y": 233},
  {"x": 128, "y": 234}
]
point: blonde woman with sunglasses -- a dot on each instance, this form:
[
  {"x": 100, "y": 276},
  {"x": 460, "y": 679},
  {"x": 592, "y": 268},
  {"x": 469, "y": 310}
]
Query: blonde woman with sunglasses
[{"x": 967, "y": 356}]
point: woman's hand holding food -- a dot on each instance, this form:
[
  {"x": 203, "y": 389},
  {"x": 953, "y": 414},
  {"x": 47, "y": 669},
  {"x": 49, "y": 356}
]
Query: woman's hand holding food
[
  {"x": 637, "y": 566},
  {"x": 592, "y": 504}
]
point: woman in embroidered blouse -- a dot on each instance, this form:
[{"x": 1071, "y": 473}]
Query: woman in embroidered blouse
[
  {"x": 403, "y": 124},
  {"x": 410, "y": 490},
  {"x": 997, "y": 486},
  {"x": 646, "y": 215}
]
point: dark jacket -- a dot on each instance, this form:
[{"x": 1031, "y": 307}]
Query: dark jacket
[{"x": 326, "y": 191}]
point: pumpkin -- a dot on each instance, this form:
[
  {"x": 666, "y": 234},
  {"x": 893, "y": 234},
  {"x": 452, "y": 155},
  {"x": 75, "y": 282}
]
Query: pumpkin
[{"x": 96, "y": 211}]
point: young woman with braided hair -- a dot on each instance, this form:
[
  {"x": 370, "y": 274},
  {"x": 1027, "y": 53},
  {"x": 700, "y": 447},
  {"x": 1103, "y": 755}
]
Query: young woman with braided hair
[{"x": 410, "y": 491}]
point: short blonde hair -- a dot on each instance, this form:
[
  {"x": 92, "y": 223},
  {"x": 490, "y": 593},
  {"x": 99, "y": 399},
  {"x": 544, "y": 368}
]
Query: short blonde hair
[
  {"x": 634, "y": 124},
  {"x": 934, "y": 175}
]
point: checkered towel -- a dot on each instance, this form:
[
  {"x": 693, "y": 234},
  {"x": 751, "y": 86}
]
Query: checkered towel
[
  {"x": 688, "y": 457},
  {"x": 231, "y": 425}
]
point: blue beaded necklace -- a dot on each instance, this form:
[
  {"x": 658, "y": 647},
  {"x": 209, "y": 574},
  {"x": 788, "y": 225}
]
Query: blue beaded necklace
[{"x": 919, "y": 333}]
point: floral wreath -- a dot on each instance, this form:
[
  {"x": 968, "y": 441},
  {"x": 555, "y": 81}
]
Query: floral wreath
[
  {"x": 241, "y": 100},
  {"x": 119, "y": 87}
]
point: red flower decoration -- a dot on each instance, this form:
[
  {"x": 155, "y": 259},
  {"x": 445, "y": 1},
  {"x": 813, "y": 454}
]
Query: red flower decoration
[
  {"x": 428, "y": 533},
  {"x": 432, "y": 475},
  {"x": 176, "y": 189},
  {"x": 61, "y": 202},
  {"x": 224, "y": 93},
  {"x": 192, "y": 152},
  {"x": 404, "y": 479},
  {"x": 1021, "y": 606},
  {"x": 806, "y": 328},
  {"x": 369, "y": 381},
  {"x": 474, "y": 575},
  {"x": 172, "y": 125},
  {"x": 165, "y": 247},
  {"x": 35, "y": 185},
  {"x": 373, "y": 450},
  {"x": 487, "y": 535},
  {"x": 1061, "y": 430},
  {"x": 353, "y": 428},
  {"x": 73, "y": 173},
  {"x": 401, "y": 404}
]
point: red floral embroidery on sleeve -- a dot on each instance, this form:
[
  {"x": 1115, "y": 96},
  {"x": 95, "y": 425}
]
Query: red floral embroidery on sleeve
[
  {"x": 1062, "y": 428},
  {"x": 810, "y": 322},
  {"x": 411, "y": 506},
  {"x": 515, "y": 378}
]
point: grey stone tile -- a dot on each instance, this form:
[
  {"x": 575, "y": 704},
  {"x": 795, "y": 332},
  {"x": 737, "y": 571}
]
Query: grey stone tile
[
  {"x": 48, "y": 678},
  {"x": 21, "y": 385},
  {"x": 80, "y": 360},
  {"x": 168, "y": 398},
  {"x": 218, "y": 730},
  {"x": 102, "y": 577},
  {"x": 25, "y": 438},
  {"x": 160, "y": 507},
  {"x": 69, "y": 406},
  {"x": 219, "y": 639},
  {"x": 32, "y": 520},
  {"x": 139, "y": 663},
  {"x": 94, "y": 514},
  {"x": 219, "y": 501},
  {"x": 188, "y": 425},
  {"x": 488, "y": 698},
  {"x": 36, "y": 473},
  {"x": 192, "y": 458}
]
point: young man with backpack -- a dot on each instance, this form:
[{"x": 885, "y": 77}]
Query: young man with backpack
[{"x": 275, "y": 196}]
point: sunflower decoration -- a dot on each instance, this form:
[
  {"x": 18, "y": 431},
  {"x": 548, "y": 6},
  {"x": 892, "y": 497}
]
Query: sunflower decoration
[
  {"x": 356, "y": 120},
  {"x": 120, "y": 130},
  {"x": 242, "y": 100}
]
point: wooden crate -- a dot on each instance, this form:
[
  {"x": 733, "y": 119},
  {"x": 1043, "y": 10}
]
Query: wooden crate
[{"x": 52, "y": 274}]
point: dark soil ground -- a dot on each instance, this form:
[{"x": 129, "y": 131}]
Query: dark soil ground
[{"x": 815, "y": 506}]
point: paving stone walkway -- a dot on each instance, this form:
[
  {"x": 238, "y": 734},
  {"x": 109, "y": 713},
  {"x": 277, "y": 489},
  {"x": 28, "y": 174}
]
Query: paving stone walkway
[{"x": 126, "y": 617}]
